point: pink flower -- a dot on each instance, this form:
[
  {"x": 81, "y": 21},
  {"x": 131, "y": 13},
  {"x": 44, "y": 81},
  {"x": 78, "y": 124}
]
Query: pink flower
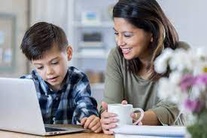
[
  {"x": 202, "y": 79},
  {"x": 193, "y": 105},
  {"x": 187, "y": 81}
]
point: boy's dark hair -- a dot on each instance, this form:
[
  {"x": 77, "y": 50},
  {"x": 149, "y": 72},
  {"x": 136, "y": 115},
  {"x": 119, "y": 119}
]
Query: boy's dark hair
[{"x": 40, "y": 38}]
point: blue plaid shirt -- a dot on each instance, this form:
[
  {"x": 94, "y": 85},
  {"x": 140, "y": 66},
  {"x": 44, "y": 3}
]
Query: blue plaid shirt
[{"x": 68, "y": 105}]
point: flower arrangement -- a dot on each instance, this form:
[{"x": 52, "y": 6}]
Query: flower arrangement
[{"x": 186, "y": 84}]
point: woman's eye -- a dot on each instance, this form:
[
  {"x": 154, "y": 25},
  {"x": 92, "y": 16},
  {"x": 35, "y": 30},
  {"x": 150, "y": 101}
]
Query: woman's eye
[
  {"x": 127, "y": 35},
  {"x": 116, "y": 33}
]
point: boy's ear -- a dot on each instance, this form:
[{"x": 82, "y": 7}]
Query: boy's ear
[{"x": 69, "y": 51}]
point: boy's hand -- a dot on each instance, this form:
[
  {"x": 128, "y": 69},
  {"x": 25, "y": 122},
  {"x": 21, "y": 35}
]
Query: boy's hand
[{"x": 92, "y": 122}]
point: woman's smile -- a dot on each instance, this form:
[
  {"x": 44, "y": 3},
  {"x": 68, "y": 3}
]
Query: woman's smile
[{"x": 126, "y": 50}]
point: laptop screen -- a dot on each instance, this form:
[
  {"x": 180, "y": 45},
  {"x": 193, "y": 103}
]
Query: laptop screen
[{"x": 20, "y": 110}]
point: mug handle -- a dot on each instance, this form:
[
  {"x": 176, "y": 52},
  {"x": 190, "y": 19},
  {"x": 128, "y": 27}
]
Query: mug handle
[{"x": 141, "y": 115}]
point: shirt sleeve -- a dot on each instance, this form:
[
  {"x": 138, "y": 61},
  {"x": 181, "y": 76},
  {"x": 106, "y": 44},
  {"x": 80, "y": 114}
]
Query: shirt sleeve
[
  {"x": 86, "y": 105},
  {"x": 114, "y": 88},
  {"x": 168, "y": 113}
]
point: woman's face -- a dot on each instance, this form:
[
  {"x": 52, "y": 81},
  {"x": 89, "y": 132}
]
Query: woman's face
[{"x": 133, "y": 41}]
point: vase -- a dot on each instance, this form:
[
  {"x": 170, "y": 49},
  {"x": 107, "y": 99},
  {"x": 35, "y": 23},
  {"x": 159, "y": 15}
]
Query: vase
[{"x": 198, "y": 129}]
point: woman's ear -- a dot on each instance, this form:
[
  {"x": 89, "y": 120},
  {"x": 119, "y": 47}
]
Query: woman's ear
[
  {"x": 69, "y": 51},
  {"x": 151, "y": 40}
]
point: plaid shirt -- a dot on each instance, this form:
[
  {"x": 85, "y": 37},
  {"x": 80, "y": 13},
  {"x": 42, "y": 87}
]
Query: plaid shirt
[{"x": 68, "y": 105}]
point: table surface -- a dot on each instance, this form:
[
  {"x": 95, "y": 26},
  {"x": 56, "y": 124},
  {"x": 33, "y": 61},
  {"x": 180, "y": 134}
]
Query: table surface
[
  {"x": 84, "y": 134},
  {"x": 7, "y": 134}
]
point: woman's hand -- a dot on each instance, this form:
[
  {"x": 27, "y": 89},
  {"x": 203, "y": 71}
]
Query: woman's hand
[
  {"x": 108, "y": 120},
  {"x": 135, "y": 117}
]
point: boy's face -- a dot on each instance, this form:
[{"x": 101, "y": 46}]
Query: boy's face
[{"x": 52, "y": 67}]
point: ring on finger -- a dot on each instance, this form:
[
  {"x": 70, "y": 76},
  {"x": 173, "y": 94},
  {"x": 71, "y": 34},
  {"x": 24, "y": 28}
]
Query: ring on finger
[{"x": 136, "y": 115}]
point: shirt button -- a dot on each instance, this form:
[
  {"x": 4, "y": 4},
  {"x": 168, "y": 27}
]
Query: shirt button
[{"x": 53, "y": 119}]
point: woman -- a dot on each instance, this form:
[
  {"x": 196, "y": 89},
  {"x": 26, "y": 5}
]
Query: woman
[{"x": 142, "y": 31}]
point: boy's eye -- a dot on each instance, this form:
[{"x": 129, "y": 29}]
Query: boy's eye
[
  {"x": 54, "y": 62},
  {"x": 40, "y": 67}
]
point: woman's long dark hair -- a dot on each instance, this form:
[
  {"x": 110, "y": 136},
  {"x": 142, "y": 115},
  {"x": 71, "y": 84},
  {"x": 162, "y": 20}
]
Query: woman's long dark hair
[{"x": 148, "y": 15}]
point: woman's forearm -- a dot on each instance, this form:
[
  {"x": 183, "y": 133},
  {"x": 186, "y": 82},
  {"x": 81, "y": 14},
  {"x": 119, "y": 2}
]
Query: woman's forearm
[{"x": 150, "y": 118}]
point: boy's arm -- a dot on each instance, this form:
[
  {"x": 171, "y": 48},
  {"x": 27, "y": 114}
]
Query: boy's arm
[
  {"x": 86, "y": 105},
  {"x": 86, "y": 111}
]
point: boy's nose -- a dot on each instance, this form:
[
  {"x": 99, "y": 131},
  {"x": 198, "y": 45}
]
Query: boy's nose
[{"x": 49, "y": 70}]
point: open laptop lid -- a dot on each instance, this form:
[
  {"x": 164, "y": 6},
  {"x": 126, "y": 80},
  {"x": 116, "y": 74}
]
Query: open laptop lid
[{"x": 20, "y": 110}]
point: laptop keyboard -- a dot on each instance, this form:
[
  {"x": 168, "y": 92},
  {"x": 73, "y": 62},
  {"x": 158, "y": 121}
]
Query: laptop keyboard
[{"x": 49, "y": 129}]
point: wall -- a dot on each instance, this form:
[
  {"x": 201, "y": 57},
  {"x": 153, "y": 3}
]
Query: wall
[
  {"x": 188, "y": 17},
  {"x": 53, "y": 11},
  {"x": 17, "y": 8},
  {"x": 46, "y": 10}
]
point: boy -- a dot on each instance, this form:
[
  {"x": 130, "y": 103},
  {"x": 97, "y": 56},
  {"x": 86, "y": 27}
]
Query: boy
[{"x": 64, "y": 92}]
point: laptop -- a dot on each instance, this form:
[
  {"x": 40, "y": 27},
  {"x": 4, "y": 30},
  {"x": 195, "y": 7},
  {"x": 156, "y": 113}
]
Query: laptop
[{"x": 20, "y": 110}]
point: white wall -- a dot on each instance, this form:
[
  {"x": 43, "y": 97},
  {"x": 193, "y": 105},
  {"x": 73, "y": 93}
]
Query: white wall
[
  {"x": 189, "y": 18},
  {"x": 53, "y": 11}
]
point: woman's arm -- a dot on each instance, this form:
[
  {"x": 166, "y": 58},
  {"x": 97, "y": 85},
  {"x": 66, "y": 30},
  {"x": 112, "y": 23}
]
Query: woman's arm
[
  {"x": 149, "y": 118},
  {"x": 114, "y": 89}
]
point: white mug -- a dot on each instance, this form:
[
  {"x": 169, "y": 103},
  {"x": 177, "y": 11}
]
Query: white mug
[{"x": 123, "y": 112}]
